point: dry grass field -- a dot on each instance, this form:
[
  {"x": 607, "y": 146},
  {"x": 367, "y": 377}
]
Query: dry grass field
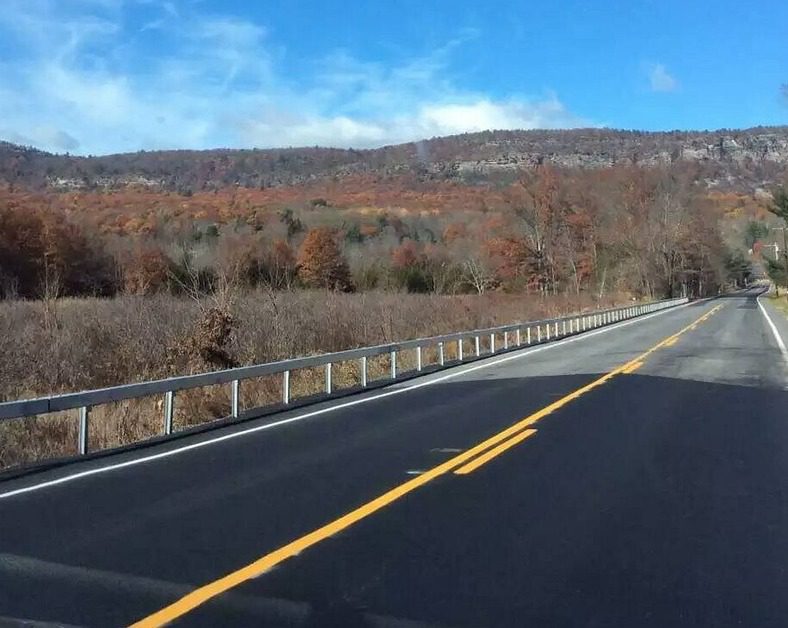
[{"x": 75, "y": 344}]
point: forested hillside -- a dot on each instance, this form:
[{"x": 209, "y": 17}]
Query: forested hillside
[
  {"x": 741, "y": 159},
  {"x": 545, "y": 212}
]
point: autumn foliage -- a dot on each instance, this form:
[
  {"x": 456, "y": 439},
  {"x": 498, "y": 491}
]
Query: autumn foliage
[
  {"x": 44, "y": 255},
  {"x": 146, "y": 271},
  {"x": 643, "y": 231},
  {"x": 320, "y": 262}
]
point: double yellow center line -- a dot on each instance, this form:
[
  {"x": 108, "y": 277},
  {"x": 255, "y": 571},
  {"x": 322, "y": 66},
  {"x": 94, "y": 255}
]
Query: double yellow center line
[{"x": 462, "y": 464}]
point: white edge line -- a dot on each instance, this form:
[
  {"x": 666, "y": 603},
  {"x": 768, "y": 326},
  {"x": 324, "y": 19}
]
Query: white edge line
[
  {"x": 455, "y": 372},
  {"x": 772, "y": 326}
]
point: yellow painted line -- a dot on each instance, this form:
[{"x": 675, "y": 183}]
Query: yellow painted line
[
  {"x": 492, "y": 453},
  {"x": 208, "y": 591},
  {"x": 629, "y": 367},
  {"x": 633, "y": 367}
]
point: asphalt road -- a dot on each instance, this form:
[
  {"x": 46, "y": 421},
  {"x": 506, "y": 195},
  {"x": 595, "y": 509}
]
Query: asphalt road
[{"x": 650, "y": 495}]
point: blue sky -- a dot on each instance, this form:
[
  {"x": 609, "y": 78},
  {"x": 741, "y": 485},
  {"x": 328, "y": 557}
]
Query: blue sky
[{"x": 101, "y": 76}]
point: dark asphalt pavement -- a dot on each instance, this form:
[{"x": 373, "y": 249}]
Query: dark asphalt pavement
[{"x": 659, "y": 498}]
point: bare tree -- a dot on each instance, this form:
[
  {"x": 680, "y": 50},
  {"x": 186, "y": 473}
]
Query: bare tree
[{"x": 478, "y": 274}]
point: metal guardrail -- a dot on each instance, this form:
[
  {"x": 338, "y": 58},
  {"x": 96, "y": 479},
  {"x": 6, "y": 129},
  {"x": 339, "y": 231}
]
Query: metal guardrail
[{"x": 513, "y": 336}]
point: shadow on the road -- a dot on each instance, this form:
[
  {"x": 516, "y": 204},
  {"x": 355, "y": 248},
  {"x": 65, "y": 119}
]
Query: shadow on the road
[{"x": 649, "y": 501}]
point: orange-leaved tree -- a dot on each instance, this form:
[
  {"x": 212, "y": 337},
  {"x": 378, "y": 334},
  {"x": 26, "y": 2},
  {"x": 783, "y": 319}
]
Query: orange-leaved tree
[{"x": 320, "y": 261}]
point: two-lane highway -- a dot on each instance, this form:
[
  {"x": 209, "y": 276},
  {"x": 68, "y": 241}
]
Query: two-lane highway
[{"x": 635, "y": 475}]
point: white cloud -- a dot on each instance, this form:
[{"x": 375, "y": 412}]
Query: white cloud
[
  {"x": 484, "y": 114},
  {"x": 660, "y": 79},
  {"x": 218, "y": 81}
]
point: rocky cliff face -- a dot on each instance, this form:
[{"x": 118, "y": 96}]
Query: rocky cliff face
[
  {"x": 744, "y": 159},
  {"x": 731, "y": 151}
]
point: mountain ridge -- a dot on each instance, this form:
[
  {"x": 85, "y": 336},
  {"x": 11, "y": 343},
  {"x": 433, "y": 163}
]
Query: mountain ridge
[{"x": 743, "y": 159}]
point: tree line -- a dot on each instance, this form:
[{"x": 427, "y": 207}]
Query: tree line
[{"x": 649, "y": 232}]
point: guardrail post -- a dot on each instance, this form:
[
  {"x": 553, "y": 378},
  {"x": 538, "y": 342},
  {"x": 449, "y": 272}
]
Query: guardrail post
[
  {"x": 235, "y": 398},
  {"x": 82, "y": 442},
  {"x": 169, "y": 408},
  {"x": 84, "y": 402}
]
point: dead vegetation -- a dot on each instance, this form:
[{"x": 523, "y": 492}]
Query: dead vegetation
[{"x": 66, "y": 345}]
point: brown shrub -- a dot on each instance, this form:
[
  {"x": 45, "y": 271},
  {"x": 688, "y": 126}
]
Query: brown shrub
[
  {"x": 104, "y": 342},
  {"x": 146, "y": 271},
  {"x": 320, "y": 261}
]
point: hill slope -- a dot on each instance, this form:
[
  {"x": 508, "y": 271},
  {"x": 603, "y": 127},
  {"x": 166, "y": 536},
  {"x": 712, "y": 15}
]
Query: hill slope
[{"x": 735, "y": 159}]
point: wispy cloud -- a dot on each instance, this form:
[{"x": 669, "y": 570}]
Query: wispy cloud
[
  {"x": 216, "y": 80},
  {"x": 660, "y": 80}
]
